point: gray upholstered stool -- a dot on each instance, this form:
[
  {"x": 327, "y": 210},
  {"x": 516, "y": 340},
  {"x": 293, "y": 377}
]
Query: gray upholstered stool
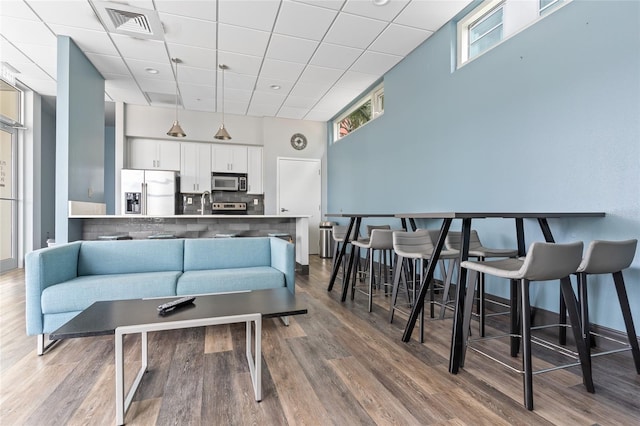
[
  {"x": 544, "y": 262},
  {"x": 481, "y": 253},
  {"x": 415, "y": 248},
  {"x": 609, "y": 257},
  {"x": 381, "y": 240}
]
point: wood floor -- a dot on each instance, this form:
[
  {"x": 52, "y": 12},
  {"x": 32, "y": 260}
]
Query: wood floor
[{"x": 337, "y": 365}]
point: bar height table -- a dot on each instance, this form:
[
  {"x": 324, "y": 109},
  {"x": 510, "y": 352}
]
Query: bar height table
[
  {"x": 355, "y": 219},
  {"x": 457, "y": 345}
]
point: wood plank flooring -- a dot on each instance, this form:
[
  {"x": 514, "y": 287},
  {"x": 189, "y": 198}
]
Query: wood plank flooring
[{"x": 337, "y": 365}]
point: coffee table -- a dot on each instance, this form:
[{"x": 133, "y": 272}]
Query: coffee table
[{"x": 120, "y": 317}]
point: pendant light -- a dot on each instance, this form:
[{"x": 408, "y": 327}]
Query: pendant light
[
  {"x": 222, "y": 133},
  {"x": 175, "y": 130}
]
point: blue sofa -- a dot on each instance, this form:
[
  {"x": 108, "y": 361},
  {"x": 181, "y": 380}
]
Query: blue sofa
[{"x": 63, "y": 280}]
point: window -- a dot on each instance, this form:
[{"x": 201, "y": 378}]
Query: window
[
  {"x": 10, "y": 103},
  {"x": 493, "y": 21},
  {"x": 364, "y": 110},
  {"x": 485, "y": 33}
]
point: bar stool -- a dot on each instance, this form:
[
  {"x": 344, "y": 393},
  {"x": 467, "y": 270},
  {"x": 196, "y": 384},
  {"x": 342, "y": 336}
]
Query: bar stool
[
  {"x": 544, "y": 262},
  {"x": 381, "y": 240},
  {"x": 415, "y": 248},
  {"x": 609, "y": 257},
  {"x": 481, "y": 253}
]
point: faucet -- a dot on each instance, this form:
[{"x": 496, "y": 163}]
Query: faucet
[{"x": 202, "y": 200}]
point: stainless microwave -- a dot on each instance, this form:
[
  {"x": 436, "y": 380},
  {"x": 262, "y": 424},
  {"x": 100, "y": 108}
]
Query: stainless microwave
[{"x": 229, "y": 182}]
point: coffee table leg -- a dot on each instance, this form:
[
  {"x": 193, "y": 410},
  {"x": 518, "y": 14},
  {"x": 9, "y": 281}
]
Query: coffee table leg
[
  {"x": 122, "y": 403},
  {"x": 255, "y": 361}
]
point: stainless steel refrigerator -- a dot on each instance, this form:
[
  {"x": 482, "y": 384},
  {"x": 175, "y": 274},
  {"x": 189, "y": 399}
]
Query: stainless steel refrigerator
[{"x": 149, "y": 192}]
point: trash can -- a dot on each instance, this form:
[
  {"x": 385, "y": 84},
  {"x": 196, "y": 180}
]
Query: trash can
[{"x": 326, "y": 239}]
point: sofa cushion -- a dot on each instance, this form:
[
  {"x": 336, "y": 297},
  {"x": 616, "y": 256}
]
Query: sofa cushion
[
  {"x": 224, "y": 280},
  {"x": 124, "y": 257},
  {"x": 77, "y": 294},
  {"x": 223, "y": 253}
]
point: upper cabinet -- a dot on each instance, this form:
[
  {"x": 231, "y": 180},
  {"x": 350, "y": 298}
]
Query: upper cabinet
[
  {"x": 195, "y": 167},
  {"x": 254, "y": 176},
  {"x": 229, "y": 158},
  {"x": 152, "y": 154}
]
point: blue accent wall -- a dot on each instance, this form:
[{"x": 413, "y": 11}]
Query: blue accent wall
[
  {"x": 80, "y": 135},
  {"x": 549, "y": 120}
]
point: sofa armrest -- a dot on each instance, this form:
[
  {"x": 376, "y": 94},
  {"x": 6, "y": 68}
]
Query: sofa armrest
[
  {"x": 283, "y": 258},
  {"x": 43, "y": 268}
]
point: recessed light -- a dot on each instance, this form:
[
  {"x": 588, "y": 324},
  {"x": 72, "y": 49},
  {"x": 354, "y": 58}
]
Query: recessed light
[
  {"x": 274, "y": 87},
  {"x": 379, "y": 2},
  {"x": 151, "y": 70}
]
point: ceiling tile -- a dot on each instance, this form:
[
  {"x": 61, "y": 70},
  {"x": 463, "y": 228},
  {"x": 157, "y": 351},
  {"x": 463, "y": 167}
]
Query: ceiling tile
[
  {"x": 315, "y": 90},
  {"x": 237, "y": 81},
  {"x": 78, "y": 14},
  {"x": 140, "y": 49},
  {"x": 157, "y": 86},
  {"x": 329, "y": 4},
  {"x": 126, "y": 91},
  {"x": 384, "y": 12},
  {"x": 287, "y": 71},
  {"x": 165, "y": 71},
  {"x": 190, "y": 56},
  {"x": 199, "y": 104},
  {"x": 47, "y": 57},
  {"x": 107, "y": 64},
  {"x": 320, "y": 75},
  {"x": 234, "y": 95},
  {"x": 27, "y": 31},
  {"x": 399, "y": 40},
  {"x": 299, "y": 102},
  {"x": 291, "y": 49},
  {"x": 239, "y": 108},
  {"x": 334, "y": 56},
  {"x": 264, "y": 84},
  {"x": 375, "y": 63},
  {"x": 305, "y": 21},
  {"x": 202, "y": 76},
  {"x": 198, "y": 91},
  {"x": 189, "y": 31},
  {"x": 241, "y": 64},
  {"x": 430, "y": 15},
  {"x": 46, "y": 87},
  {"x": 263, "y": 110},
  {"x": 319, "y": 115},
  {"x": 263, "y": 13},
  {"x": 357, "y": 80},
  {"x": 242, "y": 40},
  {"x": 189, "y": 8},
  {"x": 89, "y": 41},
  {"x": 293, "y": 113},
  {"x": 271, "y": 97},
  {"x": 17, "y": 9},
  {"x": 342, "y": 32}
]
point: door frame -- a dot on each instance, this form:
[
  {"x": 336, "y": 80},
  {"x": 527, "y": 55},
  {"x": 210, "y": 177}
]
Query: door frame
[
  {"x": 12, "y": 262},
  {"x": 317, "y": 161}
]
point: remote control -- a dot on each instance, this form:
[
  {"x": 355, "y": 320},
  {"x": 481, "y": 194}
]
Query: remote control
[{"x": 170, "y": 306}]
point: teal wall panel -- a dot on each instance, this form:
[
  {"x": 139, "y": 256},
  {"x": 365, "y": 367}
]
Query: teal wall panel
[
  {"x": 79, "y": 135},
  {"x": 545, "y": 121}
]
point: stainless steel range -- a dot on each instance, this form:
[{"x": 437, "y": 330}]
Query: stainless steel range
[{"x": 228, "y": 208}]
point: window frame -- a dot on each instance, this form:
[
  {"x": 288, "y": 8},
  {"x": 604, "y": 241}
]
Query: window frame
[{"x": 375, "y": 96}]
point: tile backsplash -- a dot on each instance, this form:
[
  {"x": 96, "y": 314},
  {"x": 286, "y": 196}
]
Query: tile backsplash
[{"x": 223, "y": 196}]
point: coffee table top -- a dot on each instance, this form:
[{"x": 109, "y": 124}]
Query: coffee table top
[{"x": 103, "y": 318}]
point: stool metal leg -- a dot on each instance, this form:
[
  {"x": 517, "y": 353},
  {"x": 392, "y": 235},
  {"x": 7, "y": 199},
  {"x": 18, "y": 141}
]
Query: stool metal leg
[
  {"x": 628, "y": 319},
  {"x": 526, "y": 343}
]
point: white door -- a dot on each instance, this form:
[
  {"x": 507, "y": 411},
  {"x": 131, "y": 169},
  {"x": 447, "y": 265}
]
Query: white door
[{"x": 299, "y": 192}]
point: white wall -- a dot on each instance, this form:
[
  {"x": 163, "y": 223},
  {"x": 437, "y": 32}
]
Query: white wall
[{"x": 273, "y": 134}]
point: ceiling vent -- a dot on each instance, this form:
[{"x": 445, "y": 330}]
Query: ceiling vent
[{"x": 120, "y": 18}]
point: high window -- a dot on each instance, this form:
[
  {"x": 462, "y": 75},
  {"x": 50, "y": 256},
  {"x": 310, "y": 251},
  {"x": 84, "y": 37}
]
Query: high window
[
  {"x": 493, "y": 21},
  {"x": 364, "y": 110}
]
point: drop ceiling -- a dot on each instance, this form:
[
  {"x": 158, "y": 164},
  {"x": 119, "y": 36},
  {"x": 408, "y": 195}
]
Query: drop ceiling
[{"x": 319, "y": 54}]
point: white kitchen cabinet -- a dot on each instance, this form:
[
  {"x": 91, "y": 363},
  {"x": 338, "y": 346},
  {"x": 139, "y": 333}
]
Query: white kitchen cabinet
[
  {"x": 195, "y": 167},
  {"x": 149, "y": 154},
  {"x": 229, "y": 158},
  {"x": 254, "y": 170}
]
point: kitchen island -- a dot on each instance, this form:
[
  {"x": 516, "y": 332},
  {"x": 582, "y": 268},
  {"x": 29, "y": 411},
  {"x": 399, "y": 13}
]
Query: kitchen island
[{"x": 96, "y": 227}]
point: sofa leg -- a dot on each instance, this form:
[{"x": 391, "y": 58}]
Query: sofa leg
[
  {"x": 285, "y": 320},
  {"x": 42, "y": 348}
]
